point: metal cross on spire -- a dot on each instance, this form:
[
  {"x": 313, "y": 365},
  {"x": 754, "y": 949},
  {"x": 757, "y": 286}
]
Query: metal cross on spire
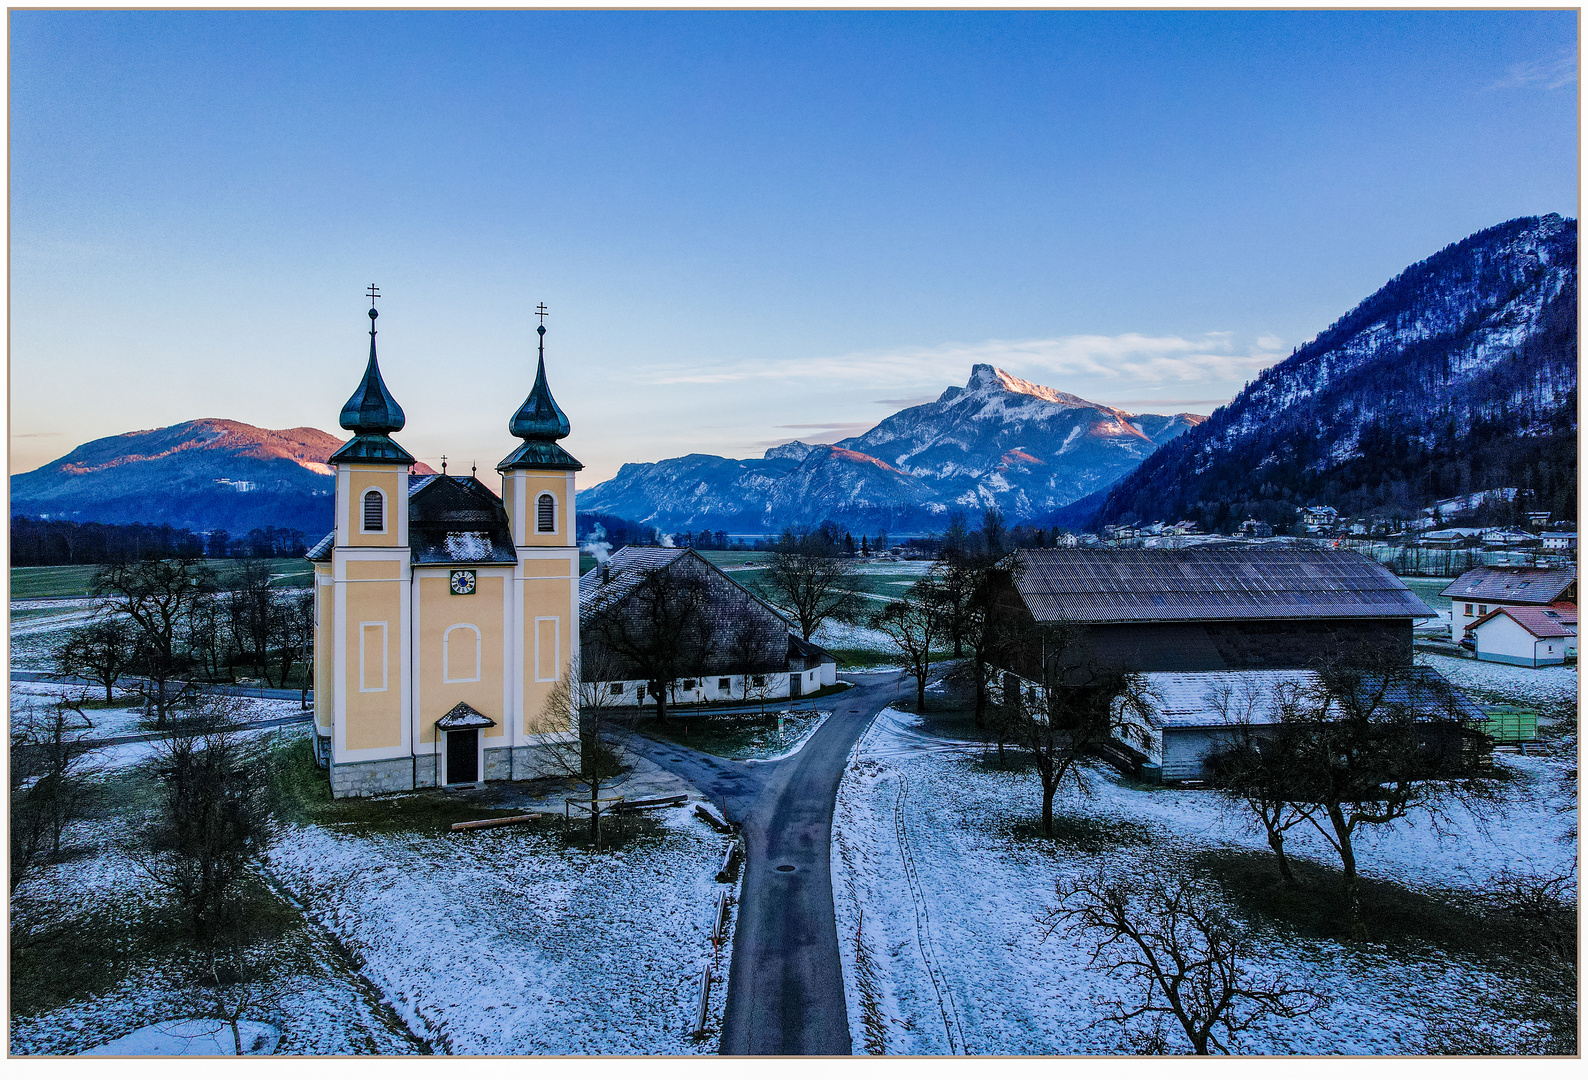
[
  {"x": 541, "y": 311},
  {"x": 372, "y": 292}
]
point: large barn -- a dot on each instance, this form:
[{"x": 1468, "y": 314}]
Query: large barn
[{"x": 1217, "y": 607}]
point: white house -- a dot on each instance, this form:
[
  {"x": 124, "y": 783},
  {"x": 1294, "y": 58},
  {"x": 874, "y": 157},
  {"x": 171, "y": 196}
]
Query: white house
[
  {"x": 1559, "y": 541},
  {"x": 1526, "y": 636},
  {"x": 1478, "y": 592}
]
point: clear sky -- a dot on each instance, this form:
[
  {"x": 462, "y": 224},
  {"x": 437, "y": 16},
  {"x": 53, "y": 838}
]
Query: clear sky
[{"x": 748, "y": 227}]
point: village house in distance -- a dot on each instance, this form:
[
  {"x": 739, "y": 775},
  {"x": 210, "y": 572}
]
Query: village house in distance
[{"x": 444, "y": 614}]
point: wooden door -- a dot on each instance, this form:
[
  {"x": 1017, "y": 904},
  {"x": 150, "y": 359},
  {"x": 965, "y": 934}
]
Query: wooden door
[{"x": 463, "y": 749}]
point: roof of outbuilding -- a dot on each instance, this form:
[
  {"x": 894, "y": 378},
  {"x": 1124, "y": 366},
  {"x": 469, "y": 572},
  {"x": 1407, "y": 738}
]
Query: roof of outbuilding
[
  {"x": 1210, "y": 583},
  {"x": 1526, "y": 585},
  {"x": 1233, "y": 698},
  {"x": 1538, "y": 621}
]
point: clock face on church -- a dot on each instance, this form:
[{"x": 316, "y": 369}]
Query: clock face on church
[{"x": 462, "y": 582}]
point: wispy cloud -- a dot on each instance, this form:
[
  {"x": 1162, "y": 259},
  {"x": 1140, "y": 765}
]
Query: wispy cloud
[
  {"x": 38, "y": 434},
  {"x": 1127, "y": 359},
  {"x": 1553, "y": 74},
  {"x": 903, "y": 402}
]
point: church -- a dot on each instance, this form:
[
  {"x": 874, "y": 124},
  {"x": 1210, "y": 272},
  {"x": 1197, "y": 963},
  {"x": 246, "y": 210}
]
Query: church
[{"x": 444, "y": 614}]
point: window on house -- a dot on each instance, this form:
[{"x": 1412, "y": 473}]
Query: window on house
[
  {"x": 546, "y": 514},
  {"x": 1469, "y": 609},
  {"x": 724, "y": 684},
  {"x": 759, "y": 680},
  {"x": 374, "y": 512},
  {"x": 617, "y": 688},
  {"x": 689, "y": 684},
  {"x": 1483, "y": 609}
]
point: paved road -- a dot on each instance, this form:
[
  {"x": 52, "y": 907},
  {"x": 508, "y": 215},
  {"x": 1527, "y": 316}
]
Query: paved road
[{"x": 785, "y": 986}]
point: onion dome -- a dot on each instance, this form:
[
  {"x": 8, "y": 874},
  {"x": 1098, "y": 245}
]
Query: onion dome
[
  {"x": 372, "y": 414},
  {"x": 540, "y": 422}
]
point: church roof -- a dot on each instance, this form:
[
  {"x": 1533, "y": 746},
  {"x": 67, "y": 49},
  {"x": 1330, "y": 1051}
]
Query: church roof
[
  {"x": 540, "y": 422},
  {"x": 457, "y": 519}
]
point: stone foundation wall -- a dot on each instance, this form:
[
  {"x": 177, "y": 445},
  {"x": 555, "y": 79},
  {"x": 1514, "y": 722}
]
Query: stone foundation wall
[
  {"x": 519, "y": 763},
  {"x": 351, "y": 779}
]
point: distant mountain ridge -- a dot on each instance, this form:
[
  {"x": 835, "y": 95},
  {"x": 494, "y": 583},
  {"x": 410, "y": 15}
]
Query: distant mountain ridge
[
  {"x": 1458, "y": 375},
  {"x": 169, "y": 476},
  {"x": 997, "y": 441}
]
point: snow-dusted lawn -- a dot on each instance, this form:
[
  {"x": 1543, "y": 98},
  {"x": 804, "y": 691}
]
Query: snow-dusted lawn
[
  {"x": 1551, "y": 691},
  {"x": 319, "y": 1006},
  {"x": 936, "y": 850},
  {"x": 507, "y": 941}
]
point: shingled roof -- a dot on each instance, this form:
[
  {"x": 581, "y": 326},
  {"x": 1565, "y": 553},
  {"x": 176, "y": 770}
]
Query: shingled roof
[
  {"x": 1512, "y": 585},
  {"x": 605, "y": 585},
  {"x": 1210, "y": 583},
  {"x": 1192, "y": 699},
  {"x": 1540, "y": 622},
  {"x": 457, "y": 519}
]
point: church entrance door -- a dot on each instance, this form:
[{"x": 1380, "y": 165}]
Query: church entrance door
[{"x": 463, "y": 752}]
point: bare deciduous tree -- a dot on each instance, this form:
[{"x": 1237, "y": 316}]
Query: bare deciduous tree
[
  {"x": 157, "y": 595},
  {"x": 213, "y": 820},
  {"x": 1185, "y": 958},
  {"x": 805, "y": 576},
  {"x": 1074, "y": 707},
  {"x": 662, "y": 631},
  {"x": 582, "y": 703},
  {"x": 914, "y": 629},
  {"x": 101, "y": 650},
  {"x": 49, "y": 774}
]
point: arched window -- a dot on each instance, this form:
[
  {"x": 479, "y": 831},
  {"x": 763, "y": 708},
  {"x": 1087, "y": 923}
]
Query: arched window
[
  {"x": 374, "y": 512},
  {"x": 546, "y": 516}
]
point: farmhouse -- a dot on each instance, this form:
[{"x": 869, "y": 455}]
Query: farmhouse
[
  {"x": 1526, "y": 636},
  {"x": 444, "y": 614},
  {"x": 1216, "y": 607},
  {"x": 666, "y": 621},
  {"x": 1477, "y": 592},
  {"x": 1194, "y": 715}
]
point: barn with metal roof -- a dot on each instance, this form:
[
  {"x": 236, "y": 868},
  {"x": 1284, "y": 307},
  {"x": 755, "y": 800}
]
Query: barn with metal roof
[{"x": 1213, "y": 608}]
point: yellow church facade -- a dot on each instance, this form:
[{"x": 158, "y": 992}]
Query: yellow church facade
[{"x": 444, "y": 614}]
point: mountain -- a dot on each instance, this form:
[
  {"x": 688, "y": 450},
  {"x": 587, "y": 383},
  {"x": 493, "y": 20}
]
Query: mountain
[
  {"x": 1459, "y": 375},
  {"x": 997, "y": 441},
  {"x": 169, "y": 476}
]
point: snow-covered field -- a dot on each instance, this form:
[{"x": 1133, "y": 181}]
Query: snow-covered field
[
  {"x": 949, "y": 956},
  {"x": 100, "y": 723},
  {"x": 38, "y": 627},
  {"x": 506, "y": 941}
]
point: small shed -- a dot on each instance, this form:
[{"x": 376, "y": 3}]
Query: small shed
[{"x": 1526, "y": 636}]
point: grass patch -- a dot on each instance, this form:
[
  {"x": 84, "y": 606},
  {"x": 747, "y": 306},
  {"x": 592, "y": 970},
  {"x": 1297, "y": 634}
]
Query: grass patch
[
  {"x": 1091, "y": 835},
  {"x": 1395, "y": 915},
  {"x": 735, "y": 735},
  {"x": 59, "y": 582}
]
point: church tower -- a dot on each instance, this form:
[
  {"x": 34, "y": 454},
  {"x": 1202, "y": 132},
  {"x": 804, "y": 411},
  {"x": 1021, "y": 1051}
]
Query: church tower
[
  {"x": 538, "y": 495},
  {"x": 362, "y": 663},
  {"x": 444, "y": 614}
]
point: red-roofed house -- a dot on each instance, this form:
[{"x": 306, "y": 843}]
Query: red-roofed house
[
  {"x": 1478, "y": 592},
  {"x": 1528, "y": 636}
]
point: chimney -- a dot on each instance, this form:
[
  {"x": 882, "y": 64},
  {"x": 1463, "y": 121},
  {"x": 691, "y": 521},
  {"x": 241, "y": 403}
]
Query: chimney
[{"x": 606, "y": 573}]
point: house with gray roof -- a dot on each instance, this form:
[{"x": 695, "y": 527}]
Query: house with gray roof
[{"x": 728, "y": 645}]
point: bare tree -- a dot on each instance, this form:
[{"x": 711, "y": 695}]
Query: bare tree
[
  {"x": 157, "y": 595},
  {"x": 805, "y": 576},
  {"x": 102, "y": 649},
  {"x": 662, "y": 631},
  {"x": 49, "y": 776},
  {"x": 1255, "y": 772},
  {"x": 914, "y": 629},
  {"x": 254, "y": 613},
  {"x": 213, "y": 820},
  {"x": 954, "y": 589},
  {"x": 1075, "y": 706},
  {"x": 1183, "y": 956},
  {"x": 1369, "y": 745},
  {"x": 583, "y": 703}
]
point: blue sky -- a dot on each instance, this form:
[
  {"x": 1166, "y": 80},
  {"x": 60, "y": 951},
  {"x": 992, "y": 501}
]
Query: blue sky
[{"x": 748, "y": 227}]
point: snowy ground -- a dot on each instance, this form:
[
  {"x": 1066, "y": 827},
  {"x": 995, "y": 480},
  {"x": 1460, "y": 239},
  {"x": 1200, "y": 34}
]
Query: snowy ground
[
  {"x": 937, "y": 851},
  {"x": 318, "y": 1002},
  {"x": 38, "y": 627},
  {"x": 508, "y": 942},
  {"x": 102, "y": 723}
]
